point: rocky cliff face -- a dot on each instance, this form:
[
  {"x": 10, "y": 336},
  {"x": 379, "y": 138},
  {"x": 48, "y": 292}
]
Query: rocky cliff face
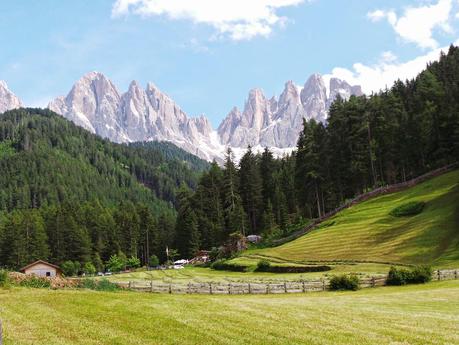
[
  {"x": 136, "y": 115},
  {"x": 8, "y": 100},
  {"x": 148, "y": 114},
  {"x": 277, "y": 123}
]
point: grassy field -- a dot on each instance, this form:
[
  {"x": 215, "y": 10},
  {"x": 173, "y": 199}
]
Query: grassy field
[
  {"x": 423, "y": 314},
  {"x": 198, "y": 274},
  {"x": 367, "y": 233}
]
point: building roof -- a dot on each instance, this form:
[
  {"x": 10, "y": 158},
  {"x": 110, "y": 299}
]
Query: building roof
[{"x": 40, "y": 262}]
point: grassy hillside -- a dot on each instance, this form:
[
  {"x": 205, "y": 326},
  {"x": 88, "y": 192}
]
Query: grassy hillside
[
  {"x": 398, "y": 315},
  {"x": 368, "y": 233}
]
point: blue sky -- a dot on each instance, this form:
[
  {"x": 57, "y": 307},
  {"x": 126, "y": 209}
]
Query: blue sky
[{"x": 207, "y": 54}]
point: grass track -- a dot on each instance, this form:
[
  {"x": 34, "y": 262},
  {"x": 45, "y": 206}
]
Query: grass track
[
  {"x": 425, "y": 314},
  {"x": 367, "y": 233}
]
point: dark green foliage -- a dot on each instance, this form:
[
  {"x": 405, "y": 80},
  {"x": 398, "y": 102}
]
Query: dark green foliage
[
  {"x": 345, "y": 282},
  {"x": 224, "y": 265},
  {"x": 263, "y": 266},
  {"x": 298, "y": 269},
  {"x": 4, "y": 278},
  {"x": 133, "y": 263},
  {"x": 403, "y": 276},
  {"x": 35, "y": 282},
  {"x": 408, "y": 209},
  {"x": 154, "y": 261},
  {"x": 69, "y": 268},
  {"x": 116, "y": 263},
  {"x": 89, "y": 268},
  {"x": 99, "y": 285}
]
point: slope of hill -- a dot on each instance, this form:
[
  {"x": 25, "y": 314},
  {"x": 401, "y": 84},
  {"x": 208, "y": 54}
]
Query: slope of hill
[
  {"x": 45, "y": 159},
  {"x": 368, "y": 233}
]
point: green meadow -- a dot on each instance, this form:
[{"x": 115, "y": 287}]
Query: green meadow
[
  {"x": 368, "y": 233},
  {"x": 421, "y": 314}
]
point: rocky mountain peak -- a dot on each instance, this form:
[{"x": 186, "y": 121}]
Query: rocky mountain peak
[{"x": 8, "y": 100}]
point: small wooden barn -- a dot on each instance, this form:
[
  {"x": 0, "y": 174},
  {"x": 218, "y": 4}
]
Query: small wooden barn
[{"x": 42, "y": 269}]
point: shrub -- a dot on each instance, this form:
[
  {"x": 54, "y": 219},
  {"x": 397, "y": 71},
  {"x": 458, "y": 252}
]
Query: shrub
[
  {"x": 133, "y": 262},
  {"x": 115, "y": 263},
  {"x": 345, "y": 282},
  {"x": 154, "y": 261},
  {"x": 409, "y": 209},
  {"x": 69, "y": 268},
  {"x": 421, "y": 275},
  {"x": 263, "y": 266},
  {"x": 99, "y": 285},
  {"x": 223, "y": 265},
  {"x": 403, "y": 276},
  {"x": 33, "y": 281},
  {"x": 89, "y": 268},
  {"x": 4, "y": 278}
]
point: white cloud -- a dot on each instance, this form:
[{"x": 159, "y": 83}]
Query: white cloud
[
  {"x": 374, "y": 78},
  {"x": 418, "y": 23},
  {"x": 237, "y": 19}
]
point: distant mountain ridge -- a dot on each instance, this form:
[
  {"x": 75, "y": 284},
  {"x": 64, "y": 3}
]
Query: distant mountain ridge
[{"x": 139, "y": 115}]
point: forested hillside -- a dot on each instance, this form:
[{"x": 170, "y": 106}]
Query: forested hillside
[
  {"x": 67, "y": 194},
  {"x": 368, "y": 141}
]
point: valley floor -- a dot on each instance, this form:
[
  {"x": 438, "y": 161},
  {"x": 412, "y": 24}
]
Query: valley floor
[{"x": 422, "y": 314}]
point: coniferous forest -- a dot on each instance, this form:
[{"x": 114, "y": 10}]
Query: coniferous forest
[{"x": 66, "y": 194}]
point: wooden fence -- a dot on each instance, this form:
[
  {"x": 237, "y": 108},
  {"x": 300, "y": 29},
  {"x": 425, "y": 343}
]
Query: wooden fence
[
  {"x": 365, "y": 196},
  {"x": 239, "y": 288}
]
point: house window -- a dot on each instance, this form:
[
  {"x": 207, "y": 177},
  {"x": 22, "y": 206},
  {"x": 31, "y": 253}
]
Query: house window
[{"x": 48, "y": 274}]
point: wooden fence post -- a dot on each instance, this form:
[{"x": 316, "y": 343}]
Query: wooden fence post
[
  {"x": 250, "y": 289},
  {"x": 151, "y": 286},
  {"x": 439, "y": 274},
  {"x": 373, "y": 283},
  {"x": 285, "y": 287},
  {"x": 267, "y": 288},
  {"x": 189, "y": 288},
  {"x": 210, "y": 288},
  {"x": 229, "y": 288},
  {"x": 323, "y": 284},
  {"x": 455, "y": 276},
  {"x": 170, "y": 288},
  {"x": 130, "y": 285},
  {"x": 304, "y": 287}
]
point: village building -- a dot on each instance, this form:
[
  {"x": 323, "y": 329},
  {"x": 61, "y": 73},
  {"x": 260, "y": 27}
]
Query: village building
[{"x": 42, "y": 269}]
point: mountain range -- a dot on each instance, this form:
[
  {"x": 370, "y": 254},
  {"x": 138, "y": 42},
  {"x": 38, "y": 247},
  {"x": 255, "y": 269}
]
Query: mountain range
[{"x": 148, "y": 114}]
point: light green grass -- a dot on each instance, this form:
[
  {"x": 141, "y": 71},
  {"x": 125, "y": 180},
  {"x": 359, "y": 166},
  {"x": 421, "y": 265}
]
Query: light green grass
[
  {"x": 424, "y": 314},
  {"x": 367, "y": 233}
]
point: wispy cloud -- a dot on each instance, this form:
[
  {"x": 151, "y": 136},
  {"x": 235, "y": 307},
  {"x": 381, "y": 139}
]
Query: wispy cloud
[
  {"x": 236, "y": 19},
  {"x": 417, "y": 24},
  {"x": 374, "y": 78}
]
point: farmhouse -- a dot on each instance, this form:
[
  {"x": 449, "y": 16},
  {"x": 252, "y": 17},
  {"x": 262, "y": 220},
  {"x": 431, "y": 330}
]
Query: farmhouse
[{"x": 42, "y": 268}]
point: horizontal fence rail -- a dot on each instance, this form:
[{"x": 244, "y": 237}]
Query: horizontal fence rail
[
  {"x": 365, "y": 196},
  {"x": 240, "y": 288}
]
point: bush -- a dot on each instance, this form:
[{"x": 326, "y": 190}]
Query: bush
[
  {"x": 153, "y": 261},
  {"x": 263, "y": 266},
  {"x": 4, "y": 278},
  {"x": 403, "y": 276},
  {"x": 409, "y": 209},
  {"x": 115, "y": 263},
  {"x": 133, "y": 262},
  {"x": 33, "y": 281},
  {"x": 345, "y": 282},
  {"x": 99, "y": 285},
  {"x": 223, "y": 265},
  {"x": 69, "y": 268},
  {"x": 89, "y": 268}
]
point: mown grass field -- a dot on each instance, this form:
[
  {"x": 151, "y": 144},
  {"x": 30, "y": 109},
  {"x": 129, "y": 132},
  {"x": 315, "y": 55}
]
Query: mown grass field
[
  {"x": 199, "y": 274},
  {"x": 422, "y": 314},
  {"x": 368, "y": 233}
]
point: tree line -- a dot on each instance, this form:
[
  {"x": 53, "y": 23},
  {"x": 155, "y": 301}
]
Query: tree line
[{"x": 367, "y": 142}]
